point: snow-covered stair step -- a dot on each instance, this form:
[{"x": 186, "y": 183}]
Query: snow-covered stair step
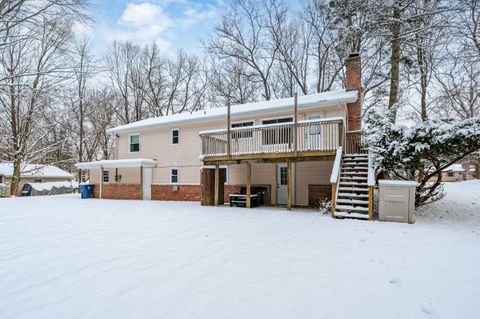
[
  {"x": 351, "y": 208},
  {"x": 354, "y": 166},
  {"x": 352, "y": 195},
  {"x": 360, "y": 159},
  {"x": 352, "y": 201},
  {"x": 354, "y": 183},
  {"x": 354, "y": 178},
  {"x": 356, "y": 174},
  {"x": 352, "y": 189},
  {"x": 357, "y": 154},
  {"x": 351, "y": 168},
  {"x": 351, "y": 215}
]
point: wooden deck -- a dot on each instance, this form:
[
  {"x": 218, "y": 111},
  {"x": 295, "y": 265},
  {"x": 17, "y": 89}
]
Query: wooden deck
[{"x": 302, "y": 141}]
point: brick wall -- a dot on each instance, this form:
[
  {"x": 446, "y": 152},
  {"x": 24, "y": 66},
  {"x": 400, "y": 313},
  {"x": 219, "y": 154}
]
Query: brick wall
[
  {"x": 184, "y": 193},
  {"x": 118, "y": 191},
  {"x": 315, "y": 192},
  {"x": 353, "y": 81}
]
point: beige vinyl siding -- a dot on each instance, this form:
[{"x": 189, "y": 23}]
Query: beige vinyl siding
[
  {"x": 157, "y": 144},
  {"x": 317, "y": 172}
]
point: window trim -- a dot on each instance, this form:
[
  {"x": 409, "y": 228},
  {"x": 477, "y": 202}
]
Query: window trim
[
  {"x": 171, "y": 175},
  {"x": 103, "y": 175},
  {"x": 239, "y": 133},
  {"x": 278, "y": 118},
  {"x": 289, "y": 129},
  {"x": 178, "y": 136},
  {"x": 129, "y": 143}
]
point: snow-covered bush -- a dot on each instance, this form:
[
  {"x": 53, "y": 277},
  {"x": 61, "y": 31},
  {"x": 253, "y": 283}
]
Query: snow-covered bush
[
  {"x": 3, "y": 189},
  {"x": 325, "y": 205},
  {"x": 420, "y": 152}
]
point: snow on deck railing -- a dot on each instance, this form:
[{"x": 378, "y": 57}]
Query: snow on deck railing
[
  {"x": 336, "y": 166},
  {"x": 246, "y": 128},
  {"x": 371, "y": 170},
  {"x": 307, "y": 136}
]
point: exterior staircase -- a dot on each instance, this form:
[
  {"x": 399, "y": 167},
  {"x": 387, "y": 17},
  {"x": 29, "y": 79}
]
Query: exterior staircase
[{"x": 352, "y": 192}]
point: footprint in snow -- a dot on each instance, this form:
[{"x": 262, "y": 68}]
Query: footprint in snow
[
  {"x": 395, "y": 281},
  {"x": 426, "y": 310}
]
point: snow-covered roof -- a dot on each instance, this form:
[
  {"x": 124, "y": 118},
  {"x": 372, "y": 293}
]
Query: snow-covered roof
[
  {"x": 304, "y": 102},
  {"x": 454, "y": 168},
  {"x": 134, "y": 162},
  {"x": 34, "y": 170}
]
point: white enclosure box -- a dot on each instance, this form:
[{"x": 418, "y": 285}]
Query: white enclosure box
[{"x": 396, "y": 200}]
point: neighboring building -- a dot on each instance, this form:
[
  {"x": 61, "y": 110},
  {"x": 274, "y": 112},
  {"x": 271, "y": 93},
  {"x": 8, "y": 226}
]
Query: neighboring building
[
  {"x": 166, "y": 158},
  {"x": 33, "y": 173},
  {"x": 454, "y": 173}
]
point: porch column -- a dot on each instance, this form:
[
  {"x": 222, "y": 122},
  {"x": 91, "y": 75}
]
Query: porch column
[
  {"x": 289, "y": 185},
  {"x": 217, "y": 185},
  {"x": 249, "y": 185},
  {"x": 100, "y": 193}
]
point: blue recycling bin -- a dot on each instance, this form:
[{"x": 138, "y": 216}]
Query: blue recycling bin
[{"x": 86, "y": 190}]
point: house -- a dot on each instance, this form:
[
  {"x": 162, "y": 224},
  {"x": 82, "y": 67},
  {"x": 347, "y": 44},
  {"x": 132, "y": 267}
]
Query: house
[
  {"x": 293, "y": 148},
  {"x": 33, "y": 173},
  {"x": 454, "y": 173}
]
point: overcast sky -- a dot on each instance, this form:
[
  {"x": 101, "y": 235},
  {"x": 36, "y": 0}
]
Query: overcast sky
[{"x": 173, "y": 24}]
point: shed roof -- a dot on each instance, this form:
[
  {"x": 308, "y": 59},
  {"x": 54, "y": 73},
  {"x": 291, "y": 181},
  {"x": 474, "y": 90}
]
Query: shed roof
[{"x": 34, "y": 170}]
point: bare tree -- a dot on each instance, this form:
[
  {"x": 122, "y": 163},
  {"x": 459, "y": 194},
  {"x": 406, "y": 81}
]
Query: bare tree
[
  {"x": 32, "y": 67},
  {"x": 242, "y": 35}
]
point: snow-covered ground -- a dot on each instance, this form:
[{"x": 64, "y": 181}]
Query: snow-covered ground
[{"x": 63, "y": 257}]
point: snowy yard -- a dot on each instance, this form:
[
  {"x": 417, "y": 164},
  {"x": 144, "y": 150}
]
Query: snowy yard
[{"x": 62, "y": 257}]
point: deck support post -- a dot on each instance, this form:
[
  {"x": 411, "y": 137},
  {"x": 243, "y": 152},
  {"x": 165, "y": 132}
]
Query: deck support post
[
  {"x": 295, "y": 124},
  {"x": 334, "y": 195},
  {"x": 141, "y": 182},
  {"x": 249, "y": 185},
  {"x": 217, "y": 185},
  {"x": 100, "y": 193},
  {"x": 370, "y": 202},
  {"x": 229, "y": 137},
  {"x": 289, "y": 185}
]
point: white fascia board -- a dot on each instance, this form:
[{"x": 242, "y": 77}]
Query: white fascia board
[{"x": 220, "y": 113}]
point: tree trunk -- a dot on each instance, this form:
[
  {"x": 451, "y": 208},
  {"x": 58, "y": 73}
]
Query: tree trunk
[
  {"x": 395, "y": 59},
  {"x": 15, "y": 176}
]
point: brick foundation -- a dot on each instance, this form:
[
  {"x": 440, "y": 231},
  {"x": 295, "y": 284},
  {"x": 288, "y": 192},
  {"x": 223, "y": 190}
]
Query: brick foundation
[
  {"x": 118, "y": 191},
  {"x": 315, "y": 192},
  {"x": 184, "y": 192}
]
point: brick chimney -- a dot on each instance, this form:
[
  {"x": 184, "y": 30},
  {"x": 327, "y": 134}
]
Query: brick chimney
[{"x": 353, "y": 70}]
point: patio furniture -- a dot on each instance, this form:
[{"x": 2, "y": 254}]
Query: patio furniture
[{"x": 240, "y": 198}]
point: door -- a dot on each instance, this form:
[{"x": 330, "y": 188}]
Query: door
[
  {"x": 314, "y": 134},
  {"x": 147, "y": 183},
  {"x": 282, "y": 193}
]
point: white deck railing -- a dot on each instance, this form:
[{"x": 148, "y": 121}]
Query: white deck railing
[{"x": 312, "y": 135}]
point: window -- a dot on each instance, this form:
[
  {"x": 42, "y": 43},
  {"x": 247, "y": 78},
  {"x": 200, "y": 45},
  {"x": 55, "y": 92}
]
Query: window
[
  {"x": 37, "y": 180},
  {"x": 450, "y": 174},
  {"x": 174, "y": 176},
  {"x": 226, "y": 173},
  {"x": 134, "y": 142},
  {"x": 242, "y": 133},
  {"x": 175, "y": 136},
  {"x": 106, "y": 176},
  {"x": 276, "y": 135}
]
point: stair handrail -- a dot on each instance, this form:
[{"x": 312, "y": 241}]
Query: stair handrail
[
  {"x": 371, "y": 184},
  {"x": 336, "y": 165},
  {"x": 371, "y": 170},
  {"x": 334, "y": 178}
]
